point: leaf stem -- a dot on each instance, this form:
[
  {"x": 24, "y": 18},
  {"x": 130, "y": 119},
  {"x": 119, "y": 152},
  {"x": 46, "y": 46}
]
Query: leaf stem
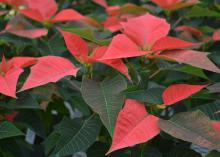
[{"x": 155, "y": 73}]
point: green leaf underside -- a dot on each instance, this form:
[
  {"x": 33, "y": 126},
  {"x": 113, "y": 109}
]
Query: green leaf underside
[
  {"x": 194, "y": 127},
  {"x": 105, "y": 99}
]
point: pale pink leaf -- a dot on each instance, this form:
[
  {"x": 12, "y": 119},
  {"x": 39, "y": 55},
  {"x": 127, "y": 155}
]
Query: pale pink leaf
[{"x": 191, "y": 57}]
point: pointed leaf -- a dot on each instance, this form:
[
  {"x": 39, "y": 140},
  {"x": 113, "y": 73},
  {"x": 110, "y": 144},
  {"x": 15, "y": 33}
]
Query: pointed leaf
[
  {"x": 175, "y": 4},
  {"x": 76, "y": 45},
  {"x": 22, "y": 62},
  {"x": 105, "y": 99},
  {"x": 33, "y": 14},
  {"x": 170, "y": 43},
  {"x": 88, "y": 34},
  {"x": 122, "y": 47},
  {"x": 178, "y": 92},
  {"x": 192, "y": 30},
  {"x": 20, "y": 27},
  {"x": 117, "y": 64},
  {"x": 103, "y": 3},
  {"x": 24, "y": 101},
  {"x": 198, "y": 11},
  {"x": 211, "y": 110},
  {"x": 145, "y": 30},
  {"x": 40, "y": 10},
  {"x": 134, "y": 125},
  {"x": 67, "y": 15},
  {"x": 193, "y": 127},
  {"x": 113, "y": 24},
  {"x": 49, "y": 69},
  {"x": 215, "y": 88},
  {"x": 8, "y": 129},
  {"x": 9, "y": 82},
  {"x": 194, "y": 58},
  {"x": 75, "y": 135}
]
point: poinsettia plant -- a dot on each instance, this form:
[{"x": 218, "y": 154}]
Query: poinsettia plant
[{"x": 100, "y": 78}]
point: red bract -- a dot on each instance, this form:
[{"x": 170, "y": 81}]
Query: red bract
[
  {"x": 192, "y": 33},
  {"x": 113, "y": 24},
  {"x": 122, "y": 47},
  {"x": 191, "y": 57},
  {"x": 146, "y": 30},
  {"x": 111, "y": 10},
  {"x": 49, "y": 69},
  {"x": 145, "y": 34},
  {"x": 178, "y": 92},
  {"x": 118, "y": 14},
  {"x": 8, "y": 79},
  {"x": 10, "y": 72},
  {"x": 171, "y": 43},
  {"x": 150, "y": 34},
  {"x": 134, "y": 126},
  {"x": 10, "y": 117},
  {"x": 216, "y": 126},
  {"x": 20, "y": 27},
  {"x": 45, "y": 10},
  {"x": 22, "y": 62},
  {"x": 196, "y": 32},
  {"x": 175, "y": 4},
  {"x": 216, "y": 35},
  {"x": 79, "y": 49}
]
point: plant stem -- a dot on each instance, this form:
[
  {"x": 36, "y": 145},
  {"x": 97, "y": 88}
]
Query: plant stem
[{"x": 155, "y": 73}]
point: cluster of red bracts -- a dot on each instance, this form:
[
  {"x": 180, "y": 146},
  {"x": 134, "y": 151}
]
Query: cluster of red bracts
[
  {"x": 36, "y": 10},
  {"x": 141, "y": 34}
]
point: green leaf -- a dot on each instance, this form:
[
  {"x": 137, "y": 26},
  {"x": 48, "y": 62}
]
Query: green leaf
[
  {"x": 211, "y": 110},
  {"x": 54, "y": 46},
  {"x": 75, "y": 135},
  {"x": 8, "y": 129},
  {"x": 18, "y": 41},
  {"x": 183, "y": 152},
  {"x": 198, "y": 11},
  {"x": 98, "y": 149},
  {"x": 213, "y": 154},
  {"x": 51, "y": 141},
  {"x": 152, "y": 95},
  {"x": 24, "y": 101},
  {"x": 105, "y": 99},
  {"x": 185, "y": 69},
  {"x": 193, "y": 127},
  {"x": 88, "y": 34},
  {"x": 193, "y": 71},
  {"x": 151, "y": 152},
  {"x": 132, "y": 9},
  {"x": 32, "y": 120}
]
